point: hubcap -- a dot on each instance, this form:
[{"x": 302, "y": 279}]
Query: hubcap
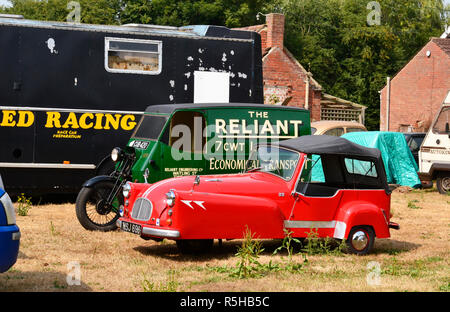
[
  {"x": 446, "y": 184},
  {"x": 360, "y": 240},
  {"x": 102, "y": 207}
]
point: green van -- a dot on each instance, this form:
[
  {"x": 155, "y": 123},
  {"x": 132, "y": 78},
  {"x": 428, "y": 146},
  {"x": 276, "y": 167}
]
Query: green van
[{"x": 186, "y": 139}]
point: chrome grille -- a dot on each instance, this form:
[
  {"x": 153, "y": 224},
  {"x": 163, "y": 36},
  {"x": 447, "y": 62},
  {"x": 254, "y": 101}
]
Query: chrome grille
[{"x": 142, "y": 209}]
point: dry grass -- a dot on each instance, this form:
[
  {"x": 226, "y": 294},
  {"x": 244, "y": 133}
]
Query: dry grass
[{"x": 416, "y": 258}]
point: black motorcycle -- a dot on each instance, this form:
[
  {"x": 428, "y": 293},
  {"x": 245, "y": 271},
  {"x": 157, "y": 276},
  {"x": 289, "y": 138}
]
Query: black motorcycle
[{"x": 100, "y": 200}]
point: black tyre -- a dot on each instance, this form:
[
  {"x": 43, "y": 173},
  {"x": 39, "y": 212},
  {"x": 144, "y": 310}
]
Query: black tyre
[
  {"x": 443, "y": 182},
  {"x": 194, "y": 246},
  {"x": 360, "y": 240},
  {"x": 93, "y": 211}
]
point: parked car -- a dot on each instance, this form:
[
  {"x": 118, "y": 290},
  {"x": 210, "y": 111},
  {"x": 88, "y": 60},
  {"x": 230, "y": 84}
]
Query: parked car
[
  {"x": 9, "y": 232},
  {"x": 336, "y": 128},
  {"x": 414, "y": 140},
  {"x": 274, "y": 194},
  {"x": 216, "y": 139}
]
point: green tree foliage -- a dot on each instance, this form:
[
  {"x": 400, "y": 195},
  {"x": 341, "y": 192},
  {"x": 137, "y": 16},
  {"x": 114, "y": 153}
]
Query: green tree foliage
[
  {"x": 350, "y": 57},
  {"x": 92, "y": 11}
]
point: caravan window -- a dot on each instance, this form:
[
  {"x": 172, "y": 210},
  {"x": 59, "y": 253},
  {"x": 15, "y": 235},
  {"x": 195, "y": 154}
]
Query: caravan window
[
  {"x": 441, "y": 125},
  {"x": 133, "y": 56}
]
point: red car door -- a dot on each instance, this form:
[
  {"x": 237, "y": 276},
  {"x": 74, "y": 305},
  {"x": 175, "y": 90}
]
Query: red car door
[{"x": 315, "y": 202}]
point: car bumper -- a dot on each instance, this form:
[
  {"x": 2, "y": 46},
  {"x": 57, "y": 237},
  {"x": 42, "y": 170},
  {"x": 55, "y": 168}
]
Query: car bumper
[
  {"x": 148, "y": 230},
  {"x": 393, "y": 225},
  {"x": 9, "y": 246}
]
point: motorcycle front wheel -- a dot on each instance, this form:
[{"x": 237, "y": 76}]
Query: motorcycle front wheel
[{"x": 93, "y": 210}]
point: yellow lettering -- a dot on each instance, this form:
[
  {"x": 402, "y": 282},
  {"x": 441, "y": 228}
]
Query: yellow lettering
[
  {"x": 26, "y": 119},
  {"x": 71, "y": 121},
  {"x": 83, "y": 123},
  {"x": 113, "y": 121},
  {"x": 125, "y": 125},
  {"x": 8, "y": 119},
  {"x": 98, "y": 121},
  {"x": 53, "y": 120}
]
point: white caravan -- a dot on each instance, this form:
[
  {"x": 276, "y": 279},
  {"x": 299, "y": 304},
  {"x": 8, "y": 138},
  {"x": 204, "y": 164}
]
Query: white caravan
[{"x": 434, "y": 154}]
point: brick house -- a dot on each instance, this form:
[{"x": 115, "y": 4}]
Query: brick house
[
  {"x": 410, "y": 100},
  {"x": 287, "y": 82}
]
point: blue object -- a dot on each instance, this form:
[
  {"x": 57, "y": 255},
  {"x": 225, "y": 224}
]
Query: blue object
[
  {"x": 399, "y": 163},
  {"x": 9, "y": 234}
]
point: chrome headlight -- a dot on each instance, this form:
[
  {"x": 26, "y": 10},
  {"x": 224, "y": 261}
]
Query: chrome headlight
[
  {"x": 115, "y": 154},
  {"x": 126, "y": 190},
  {"x": 170, "y": 198}
]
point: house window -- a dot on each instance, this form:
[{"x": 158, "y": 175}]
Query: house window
[{"x": 133, "y": 56}]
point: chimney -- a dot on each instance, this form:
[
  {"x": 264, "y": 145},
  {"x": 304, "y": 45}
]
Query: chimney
[{"x": 275, "y": 30}]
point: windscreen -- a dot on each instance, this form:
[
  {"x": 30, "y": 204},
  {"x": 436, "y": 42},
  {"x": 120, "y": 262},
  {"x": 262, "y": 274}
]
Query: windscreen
[
  {"x": 278, "y": 161},
  {"x": 441, "y": 125},
  {"x": 150, "y": 127}
]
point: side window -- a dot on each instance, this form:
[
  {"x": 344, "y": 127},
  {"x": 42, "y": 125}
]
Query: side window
[
  {"x": 186, "y": 132},
  {"x": 335, "y": 132},
  {"x": 133, "y": 56},
  {"x": 361, "y": 167},
  {"x": 312, "y": 181},
  {"x": 312, "y": 171},
  {"x": 354, "y": 130},
  {"x": 415, "y": 142}
]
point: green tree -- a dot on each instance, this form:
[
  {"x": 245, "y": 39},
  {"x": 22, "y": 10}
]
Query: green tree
[
  {"x": 92, "y": 11},
  {"x": 348, "y": 56}
]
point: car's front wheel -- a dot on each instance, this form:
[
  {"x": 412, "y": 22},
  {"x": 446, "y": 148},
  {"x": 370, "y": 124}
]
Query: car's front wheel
[{"x": 360, "y": 240}]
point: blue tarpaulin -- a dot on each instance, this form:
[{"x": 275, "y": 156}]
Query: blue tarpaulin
[{"x": 401, "y": 168}]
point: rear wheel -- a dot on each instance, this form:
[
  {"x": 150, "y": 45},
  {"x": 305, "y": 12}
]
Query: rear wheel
[
  {"x": 93, "y": 210},
  {"x": 443, "y": 182},
  {"x": 360, "y": 240},
  {"x": 194, "y": 246}
]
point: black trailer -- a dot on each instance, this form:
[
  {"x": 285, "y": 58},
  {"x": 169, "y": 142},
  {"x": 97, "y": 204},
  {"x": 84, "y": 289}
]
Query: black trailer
[{"x": 69, "y": 93}]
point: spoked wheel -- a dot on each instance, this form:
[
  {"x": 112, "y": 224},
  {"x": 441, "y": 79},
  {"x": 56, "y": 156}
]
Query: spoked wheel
[
  {"x": 194, "y": 246},
  {"x": 93, "y": 210},
  {"x": 360, "y": 240}
]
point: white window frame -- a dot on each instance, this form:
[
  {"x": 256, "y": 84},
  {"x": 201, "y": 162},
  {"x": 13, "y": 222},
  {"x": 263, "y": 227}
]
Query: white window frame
[{"x": 126, "y": 71}]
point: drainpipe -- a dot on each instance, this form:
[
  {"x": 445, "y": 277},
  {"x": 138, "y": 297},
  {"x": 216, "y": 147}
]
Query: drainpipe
[
  {"x": 307, "y": 91},
  {"x": 388, "y": 101}
]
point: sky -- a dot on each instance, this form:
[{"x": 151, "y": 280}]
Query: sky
[{"x": 4, "y": 2}]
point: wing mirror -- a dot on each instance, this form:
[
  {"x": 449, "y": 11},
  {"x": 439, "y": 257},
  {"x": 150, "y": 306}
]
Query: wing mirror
[{"x": 146, "y": 174}]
